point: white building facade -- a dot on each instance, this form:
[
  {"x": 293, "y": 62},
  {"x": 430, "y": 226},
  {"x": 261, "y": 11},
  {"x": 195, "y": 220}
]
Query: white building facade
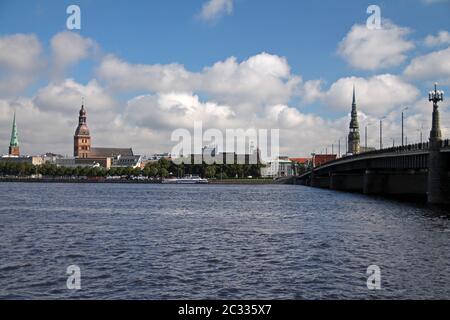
[{"x": 277, "y": 168}]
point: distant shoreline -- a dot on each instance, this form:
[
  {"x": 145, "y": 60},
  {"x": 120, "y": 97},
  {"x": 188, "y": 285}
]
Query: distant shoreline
[{"x": 62, "y": 180}]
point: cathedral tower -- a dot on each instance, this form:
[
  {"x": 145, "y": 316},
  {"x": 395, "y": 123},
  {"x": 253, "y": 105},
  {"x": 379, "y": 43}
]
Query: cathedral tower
[
  {"x": 82, "y": 138},
  {"x": 353, "y": 136},
  {"x": 14, "y": 143}
]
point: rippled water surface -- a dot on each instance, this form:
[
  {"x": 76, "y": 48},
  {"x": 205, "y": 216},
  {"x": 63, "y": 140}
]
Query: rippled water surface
[{"x": 217, "y": 242}]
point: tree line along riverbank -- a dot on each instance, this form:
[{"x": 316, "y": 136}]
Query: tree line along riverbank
[
  {"x": 125, "y": 180},
  {"x": 151, "y": 173}
]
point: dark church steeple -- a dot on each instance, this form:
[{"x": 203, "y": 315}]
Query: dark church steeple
[{"x": 353, "y": 136}]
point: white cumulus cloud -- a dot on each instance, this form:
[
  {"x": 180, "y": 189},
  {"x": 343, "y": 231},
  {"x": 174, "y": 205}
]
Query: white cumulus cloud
[
  {"x": 263, "y": 78},
  {"x": 377, "y": 95},
  {"x": 65, "y": 97},
  {"x": 68, "y": 48},
  {"x": 214, "y": 9},
  {"x": 433, "y": 66},
  {"x": 20, "y": 60},
  {"x": 442, "y": 38},
  {"x": 368, "y": 49},
  {"x": 168, "y": 111}
]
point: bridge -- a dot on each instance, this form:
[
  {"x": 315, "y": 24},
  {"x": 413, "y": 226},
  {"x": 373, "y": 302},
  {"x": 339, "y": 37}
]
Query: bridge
[{"x": 416, "y": 170}]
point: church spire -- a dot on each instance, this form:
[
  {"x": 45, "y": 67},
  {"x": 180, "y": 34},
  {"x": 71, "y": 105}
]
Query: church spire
[
  {"x": 14, "y": 143},
  {"x": 354, "y": 96},
  {"x": 353, "y": 136},
  {"x": 14, "y": 138},
  {"x": 354, "y": 122},
  {"x": 82, "y": 138}
]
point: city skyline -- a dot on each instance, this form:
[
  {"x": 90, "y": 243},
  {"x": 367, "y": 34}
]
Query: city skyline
[
  {"x": 145, "y": 91},
  {"x": 231, "y": 158}
]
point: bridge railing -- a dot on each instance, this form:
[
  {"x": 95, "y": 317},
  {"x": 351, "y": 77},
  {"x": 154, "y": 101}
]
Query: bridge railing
[
  {"x": 400, "y": 149},
  {"x": 409, "y": 147}
]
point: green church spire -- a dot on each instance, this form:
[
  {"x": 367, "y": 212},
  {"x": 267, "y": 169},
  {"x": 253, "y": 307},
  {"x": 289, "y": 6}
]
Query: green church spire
[{"x": 14, "y": 137}]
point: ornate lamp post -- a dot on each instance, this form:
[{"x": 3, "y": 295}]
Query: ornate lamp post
[
  {"x": 436, "y": 96},
  {"x": 438, "y": 186}
]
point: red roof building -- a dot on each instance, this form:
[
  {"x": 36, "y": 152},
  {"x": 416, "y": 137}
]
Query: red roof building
[
  {"x": 321, "y": 159},
  {"x": 304, "y": 161}
]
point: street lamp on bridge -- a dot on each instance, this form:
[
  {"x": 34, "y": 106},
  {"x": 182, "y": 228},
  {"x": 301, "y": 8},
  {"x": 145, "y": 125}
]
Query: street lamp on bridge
[
  {"x": 420, "y": 130},
  {"x": 403, "y": 132},
  {"x": 435, "y": 96},
  {"x": 381, "y": 132},
  {"x": 365, "y": 138}
]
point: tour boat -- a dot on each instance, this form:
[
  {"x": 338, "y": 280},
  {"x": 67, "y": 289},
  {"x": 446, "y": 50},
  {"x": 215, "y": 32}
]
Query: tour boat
[{"x": 186, "y": 180}]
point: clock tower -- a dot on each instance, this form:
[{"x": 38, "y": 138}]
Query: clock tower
[{"x": 82, "y": 138}]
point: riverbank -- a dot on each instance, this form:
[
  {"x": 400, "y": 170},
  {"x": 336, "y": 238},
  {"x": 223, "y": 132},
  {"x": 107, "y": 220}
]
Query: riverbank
[
  {"x": 242, "y": 181},
  {"x": 134, "y": 181}
]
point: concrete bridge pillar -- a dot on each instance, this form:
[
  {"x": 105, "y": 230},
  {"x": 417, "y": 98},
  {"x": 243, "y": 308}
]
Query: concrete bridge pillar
[
  {"x": 405, "y": 182},
  {"x": 346, "y": 182},
  {"x": 438, "y": 184},
  {"x": 375, "y": 183},
  {"x": 312, "y": 181}
]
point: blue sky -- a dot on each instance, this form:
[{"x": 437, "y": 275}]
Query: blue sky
[
  {"x": 306, "y": 33},
  {"x": 166, "y": 31}
]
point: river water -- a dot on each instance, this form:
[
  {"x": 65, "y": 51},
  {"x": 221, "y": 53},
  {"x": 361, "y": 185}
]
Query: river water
[{"x": 135, "y": 241}]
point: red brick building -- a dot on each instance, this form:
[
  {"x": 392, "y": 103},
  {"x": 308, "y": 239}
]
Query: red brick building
[{"x": 321, "y": 159}]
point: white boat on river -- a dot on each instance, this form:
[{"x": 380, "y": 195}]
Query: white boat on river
[{"x": 186, "y": 180}]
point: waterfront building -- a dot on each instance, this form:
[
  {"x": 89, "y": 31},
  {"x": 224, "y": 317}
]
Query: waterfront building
[
  {"x": 85, "y": 154},
  {"x": 84, "y": 162},
  {"x": 277, "y": 168},
  {"x": 353, "y": 136},
  {"x": 51, "y": 158},
  {"x": 158, "y": 156},
  {"x": 320, "y": 159},
  {"x": 300, "y": 164},
  {"x": 125, "y": 161},
  {"x": 34, "y": 160},
  {"x": 211, "y": 155},
  {"x": 154, "y": 158},
  {"x": 301, "y": 161}
]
